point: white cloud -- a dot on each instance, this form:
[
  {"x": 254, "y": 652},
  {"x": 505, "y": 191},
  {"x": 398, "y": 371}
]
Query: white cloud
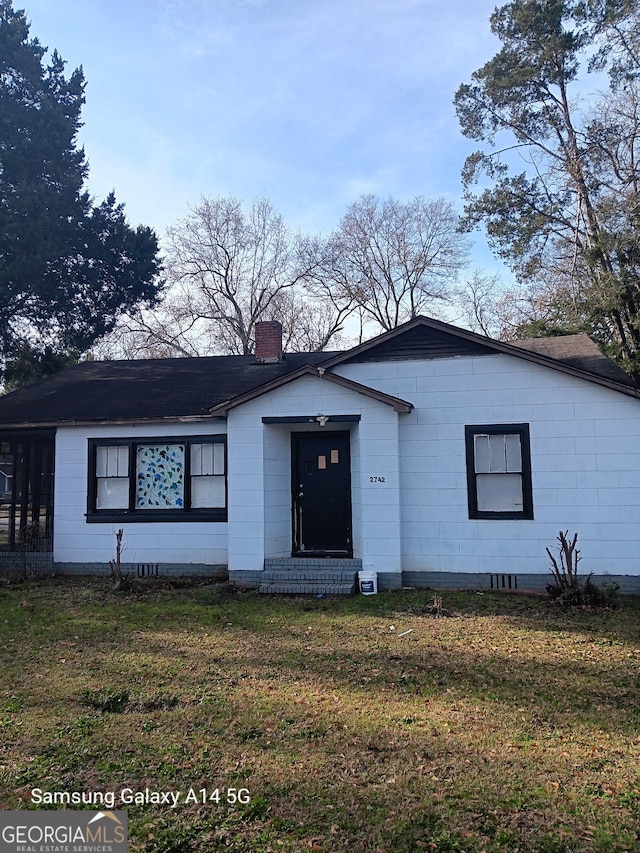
[{"x": 311, "y": 102}]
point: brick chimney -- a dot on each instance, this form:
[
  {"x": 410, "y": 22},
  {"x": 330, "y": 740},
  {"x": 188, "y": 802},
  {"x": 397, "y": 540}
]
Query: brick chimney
[{"x": 268, "y": 341}]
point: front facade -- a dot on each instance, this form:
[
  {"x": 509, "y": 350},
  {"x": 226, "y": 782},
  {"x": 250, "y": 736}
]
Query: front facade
[{"x": 431, "y": 455}]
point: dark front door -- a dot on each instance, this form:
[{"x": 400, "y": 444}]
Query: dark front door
[{"x": 321, "y": 484}]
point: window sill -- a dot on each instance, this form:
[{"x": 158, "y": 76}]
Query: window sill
[
  {"x": 155, "y": 516},
  {"x": 505, "y": 516}
]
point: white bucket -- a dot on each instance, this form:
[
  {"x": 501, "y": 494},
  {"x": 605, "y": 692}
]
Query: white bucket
[{"x": 368, "y": 582}]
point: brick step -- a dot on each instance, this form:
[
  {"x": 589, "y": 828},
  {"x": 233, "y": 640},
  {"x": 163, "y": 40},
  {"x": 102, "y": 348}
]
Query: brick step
[
  {"x": 312, "y": 563},
  {"x": 306, "y": 588},
  {"x": 309, "y": 576}
]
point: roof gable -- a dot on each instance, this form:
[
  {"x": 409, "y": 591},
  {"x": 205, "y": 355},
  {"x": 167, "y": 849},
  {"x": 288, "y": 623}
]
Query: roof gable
[
  {"x": 419, "y": 340},
  {"x": 425, "y": 338},
  {"x": 398, "y": 404}
]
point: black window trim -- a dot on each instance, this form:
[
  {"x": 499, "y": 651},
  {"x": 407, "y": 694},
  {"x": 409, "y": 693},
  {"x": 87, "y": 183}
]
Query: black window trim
[
  {"x": 132, "y": 514},
  {"x": 527, "y": 492}
]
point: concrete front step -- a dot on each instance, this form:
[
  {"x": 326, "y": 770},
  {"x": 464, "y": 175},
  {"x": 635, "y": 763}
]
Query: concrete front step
[{"x": 306, "y": 588}]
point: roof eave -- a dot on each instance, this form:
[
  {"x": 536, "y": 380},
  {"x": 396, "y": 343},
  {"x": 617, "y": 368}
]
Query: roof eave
[{"x": 98, "y": 422}]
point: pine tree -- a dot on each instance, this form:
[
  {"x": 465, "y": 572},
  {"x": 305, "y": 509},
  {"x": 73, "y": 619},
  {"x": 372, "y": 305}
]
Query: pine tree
[
  {"x": 68, "y": 268},
  {"x": 562, "y": 205}
]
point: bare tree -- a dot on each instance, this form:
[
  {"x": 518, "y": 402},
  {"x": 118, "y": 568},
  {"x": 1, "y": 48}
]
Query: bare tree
[
  {"x": 169, "y": 331},
  {"x": 176, "y": 329},
  {"x": 391, "y": 260},
  {"x": 552, "y": 306},
  {"x": 480, "y": 299},
  {"x": 229, "y": 268},
  {"x": 309, "y": 324},
  {"x": 236, "y": 267}
]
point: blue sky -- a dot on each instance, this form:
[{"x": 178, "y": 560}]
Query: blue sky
[{"x": 308, "y": 102}]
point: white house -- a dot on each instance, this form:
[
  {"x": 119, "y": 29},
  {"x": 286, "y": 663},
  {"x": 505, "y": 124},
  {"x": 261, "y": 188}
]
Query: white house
[{"x": 432, "y": 455}]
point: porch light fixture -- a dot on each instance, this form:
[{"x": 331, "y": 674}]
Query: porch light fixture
[{"x": 322, "y": 419}]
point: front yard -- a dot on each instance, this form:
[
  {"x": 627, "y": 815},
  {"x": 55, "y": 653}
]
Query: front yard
[{"x": 361, "y": 725}]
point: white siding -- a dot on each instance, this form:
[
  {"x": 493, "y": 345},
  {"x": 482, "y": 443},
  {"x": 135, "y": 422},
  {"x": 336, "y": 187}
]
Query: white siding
[
  {"x": 408, "y": 472},
  {"x": 76, "y": 541},
  {"x": 585, "y": 459},
  {"x": 260, "y": 473}
]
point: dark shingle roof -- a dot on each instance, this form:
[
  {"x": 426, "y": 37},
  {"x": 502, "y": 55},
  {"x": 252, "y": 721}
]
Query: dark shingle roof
[
  {"x": 182, "y": 388},
  {"x": 577, "y": 351},
  {"x": 98, "y": 391}
]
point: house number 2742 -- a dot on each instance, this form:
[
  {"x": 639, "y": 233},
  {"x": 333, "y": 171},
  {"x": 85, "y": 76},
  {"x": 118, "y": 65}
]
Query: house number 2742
[{"x": 377, "y": 479}]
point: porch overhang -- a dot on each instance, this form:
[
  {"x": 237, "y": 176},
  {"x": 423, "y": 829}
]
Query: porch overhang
[
  {"x": 313, "y": 419},
  {"x": 398, "y": 405}
]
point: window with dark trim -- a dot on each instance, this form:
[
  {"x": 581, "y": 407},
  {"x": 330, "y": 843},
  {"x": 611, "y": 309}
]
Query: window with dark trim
[
  {"x": 158, "y": 479},
  {"x": 499, "y": 471}
]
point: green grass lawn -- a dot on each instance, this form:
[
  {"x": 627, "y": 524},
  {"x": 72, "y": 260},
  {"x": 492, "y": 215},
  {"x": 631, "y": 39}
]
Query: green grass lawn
[{"x": 511, "y": 725}]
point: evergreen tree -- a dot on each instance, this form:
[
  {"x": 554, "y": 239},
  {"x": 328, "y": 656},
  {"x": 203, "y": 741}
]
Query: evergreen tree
[
  {"x": 563, "y": 205},
  {"x": 68, "y": 268}
]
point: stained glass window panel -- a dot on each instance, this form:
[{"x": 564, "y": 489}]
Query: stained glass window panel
[{"x": 160, "y": 476}]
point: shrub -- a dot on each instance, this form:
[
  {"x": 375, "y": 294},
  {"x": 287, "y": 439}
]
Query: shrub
[{"x": 567, "y": 588}]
